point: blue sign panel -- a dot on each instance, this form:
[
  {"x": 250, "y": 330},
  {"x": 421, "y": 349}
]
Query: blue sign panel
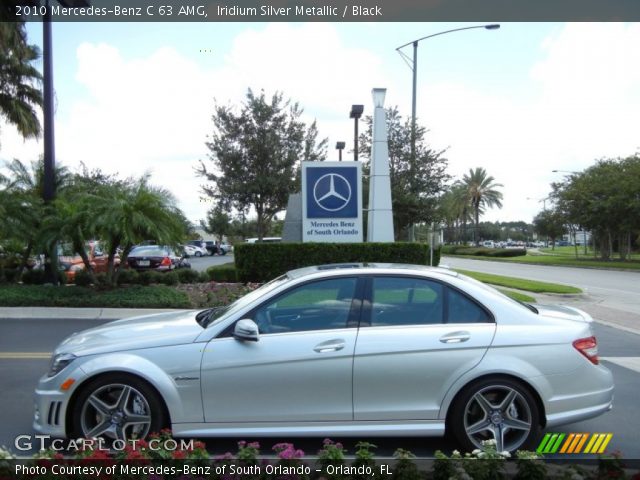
[{"x": 332, "y": 192}]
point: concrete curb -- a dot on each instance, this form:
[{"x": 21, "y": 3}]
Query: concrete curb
[{"x": 14, "y": 313}]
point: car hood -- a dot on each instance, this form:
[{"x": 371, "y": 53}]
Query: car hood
[
  {"x": 563, "y": 312},
  {"x": 163, "y": 329}
]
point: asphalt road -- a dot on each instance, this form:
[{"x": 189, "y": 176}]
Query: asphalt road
[
  {"x": 604, "y": 289},
  {"x": 202, "y": 263},
  {"x": 24, "y": 345}
]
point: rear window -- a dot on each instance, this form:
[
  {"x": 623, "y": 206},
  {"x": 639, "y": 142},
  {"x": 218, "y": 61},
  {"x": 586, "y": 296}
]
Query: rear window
[{"x": 149, "y": 251}]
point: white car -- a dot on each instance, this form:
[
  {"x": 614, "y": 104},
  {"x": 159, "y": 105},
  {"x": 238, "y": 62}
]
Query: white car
[
  {"x": 194, "y": 251},
  {"x": 364, "y": 350}
]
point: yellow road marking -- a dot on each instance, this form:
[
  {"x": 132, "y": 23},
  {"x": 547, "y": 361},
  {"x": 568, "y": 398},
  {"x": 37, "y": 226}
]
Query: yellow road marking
[{"x": 24, "y": 355}]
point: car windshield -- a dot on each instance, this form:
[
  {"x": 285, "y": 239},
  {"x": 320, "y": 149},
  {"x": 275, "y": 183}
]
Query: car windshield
[
  {"x": 495, "y": 290},
  {"x": 147, "y": 251},
  {"x": 213, "y": 315}
]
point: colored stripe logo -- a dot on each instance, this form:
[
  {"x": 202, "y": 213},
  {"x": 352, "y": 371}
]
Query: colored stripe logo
[{"x": 595, "y": 443}]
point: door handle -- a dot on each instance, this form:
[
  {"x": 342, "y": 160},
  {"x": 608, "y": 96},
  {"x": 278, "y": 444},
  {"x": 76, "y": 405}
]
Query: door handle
[
  {"x": 329, "y": 346},
  {"x": 455, "y": 337}
]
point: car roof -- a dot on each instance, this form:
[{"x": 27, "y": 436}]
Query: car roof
[{"x": 376, "y": 267}]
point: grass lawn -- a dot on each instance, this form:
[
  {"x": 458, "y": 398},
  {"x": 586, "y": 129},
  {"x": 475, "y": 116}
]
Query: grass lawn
[
  {"x": 518, "y": 296},
  {"x": 561, "y": 260},
  {"x": 521, "y": 283}
]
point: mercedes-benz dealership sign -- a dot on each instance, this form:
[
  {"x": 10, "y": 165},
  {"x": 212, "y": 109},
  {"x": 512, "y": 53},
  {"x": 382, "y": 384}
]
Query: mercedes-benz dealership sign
[{"x": 331, "y": 202}]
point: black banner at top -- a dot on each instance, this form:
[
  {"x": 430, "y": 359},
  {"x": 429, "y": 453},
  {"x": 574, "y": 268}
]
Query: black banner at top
[{"x": 320, "y": 10}]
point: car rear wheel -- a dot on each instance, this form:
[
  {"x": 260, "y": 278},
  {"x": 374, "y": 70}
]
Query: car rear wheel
[
  {"x": 198, "y": 254},
  {"x": 117, "y": 407},
  {"x": 497, "y": 409}
]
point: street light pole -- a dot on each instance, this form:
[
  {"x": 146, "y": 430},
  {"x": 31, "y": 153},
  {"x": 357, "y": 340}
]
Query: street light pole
[
  {"x": 355, "y": 113},
  {"x": 413, "y": 65}
]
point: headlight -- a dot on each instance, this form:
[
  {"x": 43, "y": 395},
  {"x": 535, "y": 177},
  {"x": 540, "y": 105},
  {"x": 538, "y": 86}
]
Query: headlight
[{"x": 59, "y": 362}]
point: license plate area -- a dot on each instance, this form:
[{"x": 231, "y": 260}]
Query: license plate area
[{"x": 144, "y": 263}]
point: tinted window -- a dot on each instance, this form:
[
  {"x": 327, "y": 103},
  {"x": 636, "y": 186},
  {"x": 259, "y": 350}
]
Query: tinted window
[
  {"x": 318, "y": 305},
  {"x": 463, "y": 310},
  {"x": 149, "y": 251},
  {"x": 406, "y": 301}
]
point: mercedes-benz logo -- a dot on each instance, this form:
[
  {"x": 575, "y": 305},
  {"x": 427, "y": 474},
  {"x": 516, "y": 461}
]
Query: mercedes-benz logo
[{"x": 332, "y": 192}]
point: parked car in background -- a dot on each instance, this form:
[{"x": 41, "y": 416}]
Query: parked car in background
[
  {"x": 488, "y": 244},
  {"x": 71, "y": 262},
  {"x": 194, "y": 251},
  {"x": 153, "y": 257},
  {"x": 198, "y": 243},
  {"x": 372, "y": 350},
  {"x": 216, "y": 248},
  {"x": 264, "y": 240}
]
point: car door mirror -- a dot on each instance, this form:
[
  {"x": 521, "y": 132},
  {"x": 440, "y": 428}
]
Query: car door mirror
[{"x": 246, "y": 329}]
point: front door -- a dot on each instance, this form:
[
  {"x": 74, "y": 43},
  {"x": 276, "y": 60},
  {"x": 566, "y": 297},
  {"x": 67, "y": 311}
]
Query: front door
[{"x": 300, "y": 369}]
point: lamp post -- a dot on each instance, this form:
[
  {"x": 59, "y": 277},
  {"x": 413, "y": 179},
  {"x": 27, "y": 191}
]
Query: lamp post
[
  {"x": 413, "y": 65},
  {"x": 340, "y": 146},
  {"x": 355, "y": 113}
]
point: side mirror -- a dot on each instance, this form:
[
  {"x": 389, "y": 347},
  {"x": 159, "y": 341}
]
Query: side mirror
[{"x": 246, "y": 329}]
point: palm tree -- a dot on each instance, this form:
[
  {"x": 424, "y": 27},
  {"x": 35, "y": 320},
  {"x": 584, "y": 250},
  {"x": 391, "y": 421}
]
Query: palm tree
[
  {"x": 132, "y": 211},
  {"x": 482, "y": 193},
  {"x": 19, "y": 79},
  {"x": 24, "y": 207}
]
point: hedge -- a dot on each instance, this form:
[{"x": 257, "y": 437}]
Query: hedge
[
  {"x": 259, "y": 262},
  {"x": 226, "y": 273},
  {"x": 483, "y": 251}
]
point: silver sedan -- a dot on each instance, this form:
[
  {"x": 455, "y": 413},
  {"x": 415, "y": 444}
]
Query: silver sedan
[{"x": 355, "y": 350}]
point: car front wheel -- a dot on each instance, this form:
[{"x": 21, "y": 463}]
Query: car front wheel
[
  {"x": 502, "y": 410},
  {"x": 117, "y": 407}
]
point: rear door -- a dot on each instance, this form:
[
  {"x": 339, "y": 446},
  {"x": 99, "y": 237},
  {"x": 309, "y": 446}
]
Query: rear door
[{"x": 418, "y": 337}]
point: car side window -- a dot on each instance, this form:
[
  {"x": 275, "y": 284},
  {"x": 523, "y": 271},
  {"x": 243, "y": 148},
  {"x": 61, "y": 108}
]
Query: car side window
[
  {"x": 320, "y": 305},
  {"x": 462, "y": 309},
  {"x": 406, "y": 301}
]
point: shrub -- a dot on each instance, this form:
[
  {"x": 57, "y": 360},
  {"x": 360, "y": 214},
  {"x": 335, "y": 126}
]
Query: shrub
[
  {"x": 169, "y": 278},
  {"x": 37, "y": 277},
  {"x": 259, "y": 262},
  {"x": 8, "y": 275},
  {"x": 223, "y": 273},
  {"x": 148, "y": 277},
  {"x": 203, "y": 277},
  {"x": 128, "y": 276},
  {"x": 186, "y": 275},
  {"x": 83, "y": 278}
]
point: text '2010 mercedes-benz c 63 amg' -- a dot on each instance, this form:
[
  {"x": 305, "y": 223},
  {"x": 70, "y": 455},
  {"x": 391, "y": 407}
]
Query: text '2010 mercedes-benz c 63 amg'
[{"x": 379, "y": 350}]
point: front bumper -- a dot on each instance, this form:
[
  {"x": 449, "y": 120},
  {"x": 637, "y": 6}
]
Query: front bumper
[{"x": 49, "y": 414}]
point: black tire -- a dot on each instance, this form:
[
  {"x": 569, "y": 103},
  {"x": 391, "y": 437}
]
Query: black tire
[
  {"x": 487, "y": 407},
  {"x": 137, "y": 413},
  {"x": 198, "y": 254}
]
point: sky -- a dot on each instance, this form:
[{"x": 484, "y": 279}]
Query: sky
[{"x": 520, "y": 101}]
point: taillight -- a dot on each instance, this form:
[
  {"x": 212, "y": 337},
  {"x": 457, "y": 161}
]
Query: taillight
[
  {"x": 589, "y": 348},
  {"x": 166, "y": 261}
]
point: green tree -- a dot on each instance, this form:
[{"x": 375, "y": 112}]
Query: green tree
[
  {"x": 131, "y": 211},
  {"x": 414, "y": 192},
  {"x": 255, "y": 155},
  {"x": 482, "y": 192},
  {"x": 605, "y": 199},
  {"x": 218, "y": 222},
  {"x": 25, "y": 210},
  {"x": 551, "y": 224},
  {"x": 20, "y": 96},
  {"x": 454, "y": 210}
]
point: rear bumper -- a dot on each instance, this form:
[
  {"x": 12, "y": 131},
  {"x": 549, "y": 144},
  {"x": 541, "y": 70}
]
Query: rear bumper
[{"x": 581, "y": 395}]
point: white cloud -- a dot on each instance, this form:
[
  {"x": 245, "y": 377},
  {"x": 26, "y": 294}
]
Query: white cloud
[{"x": 579, "y": 102}]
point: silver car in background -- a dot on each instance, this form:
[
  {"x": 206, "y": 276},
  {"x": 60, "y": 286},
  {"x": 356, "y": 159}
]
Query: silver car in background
[{"x": 357, "y": 350}]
